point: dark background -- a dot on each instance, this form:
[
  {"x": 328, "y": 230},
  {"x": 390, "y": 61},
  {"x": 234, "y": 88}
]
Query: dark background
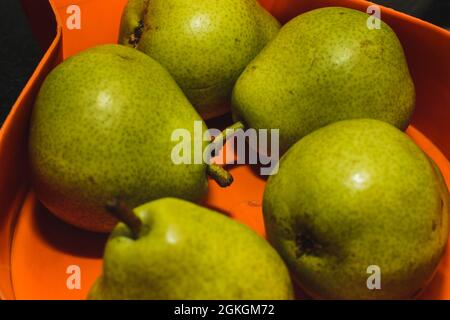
[{"x": 20, "y": 52}]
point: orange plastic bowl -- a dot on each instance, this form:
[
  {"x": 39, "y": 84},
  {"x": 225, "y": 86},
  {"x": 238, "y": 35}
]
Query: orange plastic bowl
[{"x": 37, "y": 250}]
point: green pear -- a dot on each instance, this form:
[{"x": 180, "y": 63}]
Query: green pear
[
  {"x": 205, "y": 44},
  {"x": 357, "y": 205},
  {"x": 324, "y": 66},
  {"x": 170, "y": 249},
  {"x": 101, "y": 127}
]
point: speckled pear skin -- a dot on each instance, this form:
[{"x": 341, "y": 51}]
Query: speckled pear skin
[
  {"x": 187, "y": 252},
  {"x": 101, "y": 127},
  {"x": 205, "y": 44},
  {"x": 325, "y": 66},
  {"x": 354, "y": 194}
]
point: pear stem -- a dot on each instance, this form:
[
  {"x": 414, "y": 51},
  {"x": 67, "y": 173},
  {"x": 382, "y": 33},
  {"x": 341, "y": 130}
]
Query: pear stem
[
  {"x": 220, "y": 175},
  {"x": 216, "y": 172},
  {"x": 119, "y": 209},
  {"x": 227, "y": 133}
]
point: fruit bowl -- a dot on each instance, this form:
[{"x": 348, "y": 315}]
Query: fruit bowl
[{"x": 40, "y": 255}]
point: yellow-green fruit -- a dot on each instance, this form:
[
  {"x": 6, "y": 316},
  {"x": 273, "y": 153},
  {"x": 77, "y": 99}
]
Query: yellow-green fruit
[
  {"x": 205, "y": 44},
  {"x": 186, "y": 252},
  {"x": 324, "y": 66},
  {"x": 101, "y": 128},
  {"x": 352, "y": 197}
]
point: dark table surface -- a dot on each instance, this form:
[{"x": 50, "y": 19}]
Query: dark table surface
[{"x": 20, "y": 52}]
